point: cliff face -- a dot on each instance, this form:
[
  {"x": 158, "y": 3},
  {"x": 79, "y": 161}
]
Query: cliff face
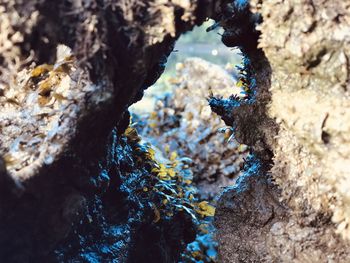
[{"x": 68, "y": 177}]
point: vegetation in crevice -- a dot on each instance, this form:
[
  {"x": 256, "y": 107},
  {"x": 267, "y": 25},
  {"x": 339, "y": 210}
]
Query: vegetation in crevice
[
  {"x": 148, "y": 192},
  {"x": 175, "y": 193}
]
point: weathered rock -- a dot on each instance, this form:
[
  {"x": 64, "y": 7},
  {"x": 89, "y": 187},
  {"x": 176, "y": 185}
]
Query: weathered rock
[
  {"x": 312, "y": 74},
  {"x": 55, "y": 124},
  {"x": 245, "y": 214},
  {"x": 294, "y": 118},
  {"x": 308, "y": 85}
]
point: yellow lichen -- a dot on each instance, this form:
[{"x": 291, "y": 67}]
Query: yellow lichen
[
  {"x": 205, "y": 209},
  {"x": 41, "y": 70}
]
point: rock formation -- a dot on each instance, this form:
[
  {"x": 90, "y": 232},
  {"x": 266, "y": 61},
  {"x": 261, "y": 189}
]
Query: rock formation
[{"x": 70, "y": 176}]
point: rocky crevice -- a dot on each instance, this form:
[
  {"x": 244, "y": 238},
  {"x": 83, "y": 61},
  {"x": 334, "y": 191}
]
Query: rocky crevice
[{"x": 290, "y": 202}]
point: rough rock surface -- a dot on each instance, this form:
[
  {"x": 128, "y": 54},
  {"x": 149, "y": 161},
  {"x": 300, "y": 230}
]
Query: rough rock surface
[
  {"x": 314, "y": 141},
  {"x": 297, "y": 210},
  {"x": 57, "y": 118},
  {"x": 292, "y": 202}
]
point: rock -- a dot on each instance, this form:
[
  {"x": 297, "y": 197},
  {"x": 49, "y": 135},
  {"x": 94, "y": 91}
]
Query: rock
[
  {"x": 293, "y": 117},
  {"x": 57, "y": 113},
  {"x": 286, "y": 121}
]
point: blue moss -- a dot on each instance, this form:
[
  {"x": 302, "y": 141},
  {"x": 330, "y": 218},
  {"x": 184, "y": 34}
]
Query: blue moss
[
  {"x": 204, "y": 248},
  {"x": 118, "y": 225}
]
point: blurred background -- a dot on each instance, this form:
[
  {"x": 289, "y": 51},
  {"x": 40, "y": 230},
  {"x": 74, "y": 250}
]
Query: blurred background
[{"x": 196, "y": 43}]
